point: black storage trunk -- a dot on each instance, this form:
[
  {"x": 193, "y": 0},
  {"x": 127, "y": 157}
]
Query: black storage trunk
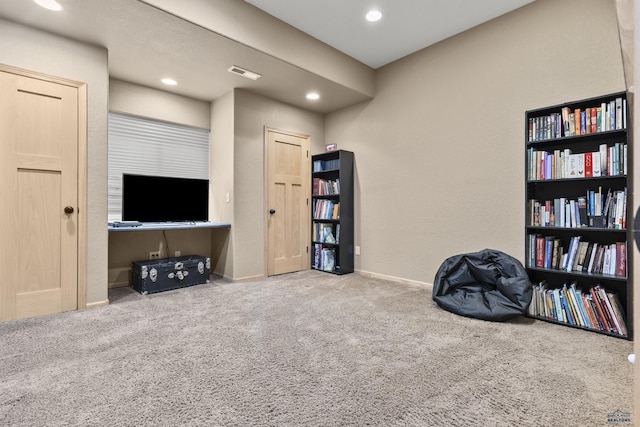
[{"x": 151, "y": 276}]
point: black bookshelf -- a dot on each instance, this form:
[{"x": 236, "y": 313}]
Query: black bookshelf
[
  {"x": 566, "y": 212},
  {"x": 332, "y": 212}
]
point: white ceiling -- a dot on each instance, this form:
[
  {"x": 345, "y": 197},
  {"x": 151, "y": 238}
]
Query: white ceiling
[
  {"x": 146, "y": 43},
  {"x": 406, "y": 25}
]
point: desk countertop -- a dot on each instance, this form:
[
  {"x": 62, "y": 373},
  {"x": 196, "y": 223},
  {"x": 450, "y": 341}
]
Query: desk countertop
[{"x": 150, "y": 226}]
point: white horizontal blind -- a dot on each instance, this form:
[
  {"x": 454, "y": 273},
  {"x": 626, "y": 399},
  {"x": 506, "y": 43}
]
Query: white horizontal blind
[{"x": 143, "y": 146}]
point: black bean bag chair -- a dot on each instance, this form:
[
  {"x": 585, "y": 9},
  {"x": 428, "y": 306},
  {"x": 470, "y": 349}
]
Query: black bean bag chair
[{"x": 488, "y": 285}]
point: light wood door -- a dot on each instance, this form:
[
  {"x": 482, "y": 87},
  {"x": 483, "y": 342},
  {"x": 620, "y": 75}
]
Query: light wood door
[
  {"x": 39, "y": 176},
  {"x": 288, "y": 220}
]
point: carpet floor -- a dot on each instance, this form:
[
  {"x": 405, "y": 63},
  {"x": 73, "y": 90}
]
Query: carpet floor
[{"x": 304, "y": 349}]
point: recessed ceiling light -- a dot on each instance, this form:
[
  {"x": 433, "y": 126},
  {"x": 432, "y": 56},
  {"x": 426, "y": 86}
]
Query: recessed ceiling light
[
  {"x": 313, "y": 96},
  {"x": 49, "y": 4},
  {"x": 373, "y": 15},
  {"x": 169, "y": 82}
]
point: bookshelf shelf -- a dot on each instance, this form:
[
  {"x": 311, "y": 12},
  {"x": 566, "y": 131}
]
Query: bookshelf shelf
[
  {"x": 579, "y": 274},
  {"x": 579, "y": 139},
  {"x": 546, "y": 319},
  {"x": 332, "y": 212},
  {"x": 583, "y": 229},
  {"x": 577, "y": 242}
]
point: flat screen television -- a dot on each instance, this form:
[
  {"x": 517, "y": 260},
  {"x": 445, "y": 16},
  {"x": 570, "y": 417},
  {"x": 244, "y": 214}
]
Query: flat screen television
[{"x": 164, "y": 199}]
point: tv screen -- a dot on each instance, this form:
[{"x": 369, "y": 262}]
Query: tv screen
[{"x": 162, "y": 199}]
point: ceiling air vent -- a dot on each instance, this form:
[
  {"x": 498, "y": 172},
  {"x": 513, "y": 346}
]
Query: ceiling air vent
[{"x": 244, "y": 73}]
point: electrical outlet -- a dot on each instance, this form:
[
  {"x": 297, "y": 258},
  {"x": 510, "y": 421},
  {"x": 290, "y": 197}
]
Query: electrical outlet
[
  {"x": 177, "y": 253},
  {"x": 357, "y": 250},
  {"x": 154, "y": 255}
]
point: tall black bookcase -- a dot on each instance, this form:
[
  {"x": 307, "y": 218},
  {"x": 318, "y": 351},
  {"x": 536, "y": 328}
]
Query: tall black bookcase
[
  {"x": 332, "y": 212},
  {"x": 577, "y": 234}
]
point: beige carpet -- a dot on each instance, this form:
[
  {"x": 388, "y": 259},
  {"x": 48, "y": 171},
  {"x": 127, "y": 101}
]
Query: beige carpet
[{"x": 308, "y": 349}]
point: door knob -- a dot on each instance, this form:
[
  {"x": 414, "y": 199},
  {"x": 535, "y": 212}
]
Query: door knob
[
  {"x": 272, "y": 211},
  {"x": 68, "y": 210}
]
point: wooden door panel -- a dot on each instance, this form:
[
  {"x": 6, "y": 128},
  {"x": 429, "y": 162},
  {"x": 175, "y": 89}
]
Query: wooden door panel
[{"x": 278, "y": 220}]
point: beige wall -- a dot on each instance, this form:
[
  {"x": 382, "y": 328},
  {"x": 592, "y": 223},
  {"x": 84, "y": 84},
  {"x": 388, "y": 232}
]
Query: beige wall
[
  {"x": 45, "y": 53},
  {"x": 222, "y": 169},
  {"x": 440, "y": 150},
  {"x": 252, "y": 114},
  {"x": 130, "y": 98}
]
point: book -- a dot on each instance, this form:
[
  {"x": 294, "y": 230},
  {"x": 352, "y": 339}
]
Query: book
[
  {"x": 600, "y": 311},
  {"x": 581, "y": 219},
  {"x": 572, "y": 124},
  {"x": 328, "y": 259},
  {"x": 612, "y": 321},
  {"x": 618, "y": 312},
  {"x": 571, "y": 253},
  {"x": 621, "y": 259},
  {"x": 580, "y": 256},
  {"x": 539, "y": 252},
  {"x": 595, "y": 164},
  {"x": 576, "y": 296},
  {"x": 603, "y": 159},
  {"x": 576, "y": 166},
  {"x": 588, "y": 165},
  {"x": 587, "y": 257},
  {"x": 565, "y": 121},
  {"x": 592, "y": 258},
  {"x": 580, "y": 158},
  {"x": 618, "y": 113}
]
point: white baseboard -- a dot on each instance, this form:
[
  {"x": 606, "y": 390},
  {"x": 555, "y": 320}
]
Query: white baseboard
[
  {"x": 244, "y": 279},
  {"x": 97, "y": 304},
  {"x": 395, "y": 279},
  {"x": 118, "y": 285}
]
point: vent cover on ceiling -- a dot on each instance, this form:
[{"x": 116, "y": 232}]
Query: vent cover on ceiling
[{"x": 244, "y": 73}]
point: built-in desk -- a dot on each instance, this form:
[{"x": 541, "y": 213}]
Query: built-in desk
[{"x": 129, "y": 242}]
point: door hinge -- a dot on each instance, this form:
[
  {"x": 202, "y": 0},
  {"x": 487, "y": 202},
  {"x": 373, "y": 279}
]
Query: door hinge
[
  {"x": 307, "y": 249},
  {"x": 307, "y": 201},
  {"x": 307, "y": 154}
]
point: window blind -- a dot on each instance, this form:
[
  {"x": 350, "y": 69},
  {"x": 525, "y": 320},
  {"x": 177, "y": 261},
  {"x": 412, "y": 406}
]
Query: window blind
[{"x": 143, "y": 146}]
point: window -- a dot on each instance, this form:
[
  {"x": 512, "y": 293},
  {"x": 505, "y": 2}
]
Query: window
[{"x": 143, "y": 146}]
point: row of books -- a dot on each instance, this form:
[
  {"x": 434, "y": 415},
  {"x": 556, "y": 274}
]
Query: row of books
[
  {"x": 595, "y": 210},
  {"x": 323, "y": 258},
  {"x": 325, "y": 165},
  {"x": 561, "y": 164},
  {"x": 322, "y": 187},
  {"x": 326, "y": 209},
  {"x": 580, "y": 256},
  {"x": 594, "y": 309},
  {"x": 607, "y": 116},
  {"x": 323, "y": 233}
]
